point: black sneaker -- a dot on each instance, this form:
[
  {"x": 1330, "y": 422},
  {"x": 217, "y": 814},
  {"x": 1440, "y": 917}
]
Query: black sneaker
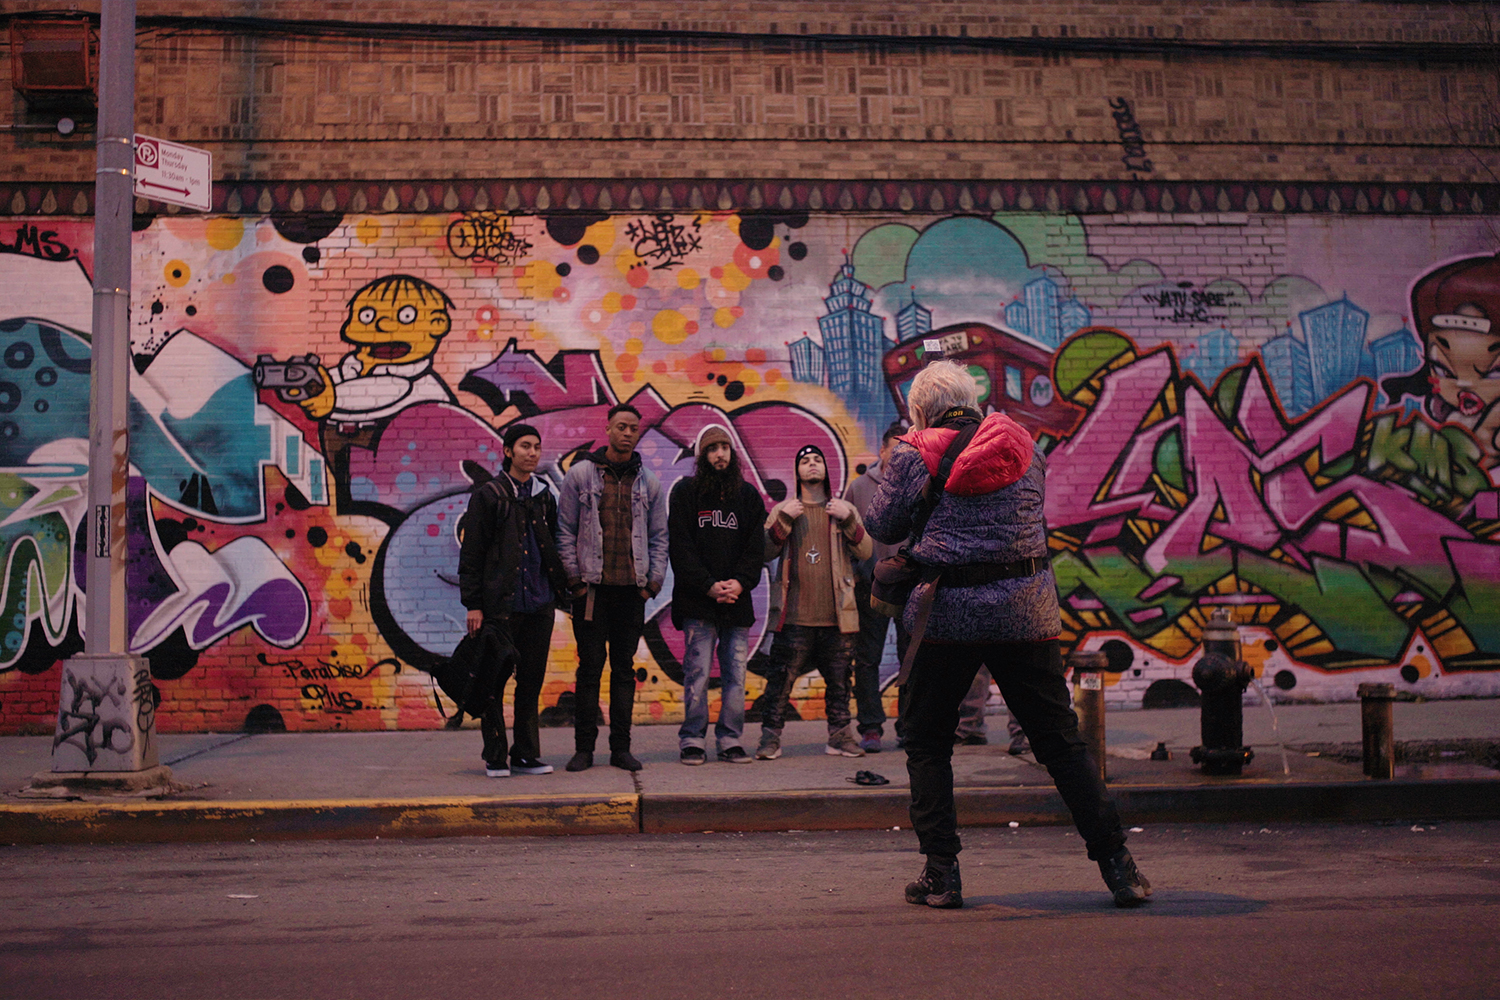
[
  {"x": 734, "y": 755},
  {"x": 937, "y": 889},
  {"x": 624, "y": 760},
  {"x": 1124, "y": 879},
  {"x": 532, "y": 766},
  {"x": 580, "y": 761},
  {"x": 693, "y": 756},
  {"x": 496, "y": 770}
]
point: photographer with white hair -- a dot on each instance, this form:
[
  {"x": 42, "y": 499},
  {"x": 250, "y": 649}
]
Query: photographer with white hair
[{"x": 987, "y": 597}]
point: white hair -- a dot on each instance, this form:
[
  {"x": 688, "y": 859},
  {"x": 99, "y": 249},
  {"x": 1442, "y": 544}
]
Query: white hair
[{"x": 939, "y": 387}]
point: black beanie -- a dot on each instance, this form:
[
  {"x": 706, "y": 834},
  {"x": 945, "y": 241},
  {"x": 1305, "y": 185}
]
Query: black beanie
[{"x": 516, "y": 432}]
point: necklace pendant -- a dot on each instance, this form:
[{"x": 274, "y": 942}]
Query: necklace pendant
[{"x": 813, "y": 555}]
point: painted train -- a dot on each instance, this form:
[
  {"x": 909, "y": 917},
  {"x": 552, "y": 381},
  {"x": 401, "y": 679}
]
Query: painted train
[{"x": 1014, "y": 374}]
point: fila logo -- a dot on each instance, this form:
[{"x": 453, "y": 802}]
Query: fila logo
[{"x": 718, "y": 519}]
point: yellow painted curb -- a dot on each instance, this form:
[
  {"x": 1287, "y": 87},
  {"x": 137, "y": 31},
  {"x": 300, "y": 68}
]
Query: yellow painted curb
[{"x": 126, "y": 822}]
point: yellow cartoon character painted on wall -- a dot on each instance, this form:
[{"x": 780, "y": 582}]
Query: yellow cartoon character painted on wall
[{"x": 395, "y": 324}]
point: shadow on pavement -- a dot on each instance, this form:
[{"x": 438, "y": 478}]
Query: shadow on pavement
[{"x": 1162, "y": 904}]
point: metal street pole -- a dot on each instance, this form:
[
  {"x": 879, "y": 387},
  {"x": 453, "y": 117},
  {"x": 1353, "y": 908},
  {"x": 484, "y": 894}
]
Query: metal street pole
[
  {"x": 109, "y": 443},
  {"x": 106, "y": 714}
]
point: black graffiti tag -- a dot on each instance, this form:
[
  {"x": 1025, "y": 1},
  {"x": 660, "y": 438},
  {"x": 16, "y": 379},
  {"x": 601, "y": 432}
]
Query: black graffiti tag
[
  {"x": 145, "y": 707},
  {"x": 331, "y": 701},
  {"x": 1195, "y": 305},
  {"x": 83, "y": 713},
  {"x": 32, "y": 242},
  {"x": 486, "y": 236},
  {"x": 326, "y": 670},
  {"x": 1131, "y": 138},
  {"x": 663, "y": 241}
]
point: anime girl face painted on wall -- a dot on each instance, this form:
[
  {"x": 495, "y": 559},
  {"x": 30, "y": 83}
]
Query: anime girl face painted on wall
[
  {"x": 1457, "y": 312},
  {"x": 1463, "y": 351}
]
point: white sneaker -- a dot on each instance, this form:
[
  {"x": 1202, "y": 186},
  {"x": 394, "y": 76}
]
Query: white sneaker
[{"x": 843, "y": 744}]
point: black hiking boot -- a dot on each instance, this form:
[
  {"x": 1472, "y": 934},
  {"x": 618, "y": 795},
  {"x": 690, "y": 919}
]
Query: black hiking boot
[
  {"x": 939, "y": 889},
  {"x": 1124, "y": 879}
]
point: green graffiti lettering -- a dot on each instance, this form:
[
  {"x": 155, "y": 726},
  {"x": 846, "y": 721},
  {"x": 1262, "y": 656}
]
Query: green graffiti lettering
[
  {"x": 1440, "y": 465},
  {"x": 1388, "y": 446},
  {"x": 1464, "y": 454}
]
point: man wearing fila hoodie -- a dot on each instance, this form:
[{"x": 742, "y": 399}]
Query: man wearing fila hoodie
[
  {"x": 717, "y": 551},
  {"x": 995, "y": 605},
  {"x": 819, "y": 538}
]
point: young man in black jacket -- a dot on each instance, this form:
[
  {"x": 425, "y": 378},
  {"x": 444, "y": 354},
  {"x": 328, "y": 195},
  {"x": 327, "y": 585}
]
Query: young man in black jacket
[
  {"x": 510, "y": 578},
  {"x": 717, "y": 544}
]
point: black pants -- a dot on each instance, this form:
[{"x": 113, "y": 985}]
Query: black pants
[
  {"x": 802, "y": 646},
  {"x": 614, "y": 632},
  {"x": 1030, "y": 677},
  {"x": 869, "y": 649},
  {"x": 531, "y": 634}
]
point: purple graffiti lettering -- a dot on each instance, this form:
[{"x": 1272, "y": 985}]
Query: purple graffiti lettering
[
  {"x": 1077, "y": 466},
  {"x": 1255, "y": 493},
  {"x": 241, "y": 583},
  {"x": 521, "y": 379}
]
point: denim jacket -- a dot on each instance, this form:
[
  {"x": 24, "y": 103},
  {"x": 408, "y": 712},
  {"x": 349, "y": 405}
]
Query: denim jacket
[{"x": 580, "y": 539}]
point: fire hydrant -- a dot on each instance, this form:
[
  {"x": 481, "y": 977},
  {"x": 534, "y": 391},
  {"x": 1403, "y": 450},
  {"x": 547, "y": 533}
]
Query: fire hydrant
[{"x": 1222, "y": 677}]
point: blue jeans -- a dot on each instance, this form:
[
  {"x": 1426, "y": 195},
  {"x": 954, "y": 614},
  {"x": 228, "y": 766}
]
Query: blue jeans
[{"x": 733, "y": 642}]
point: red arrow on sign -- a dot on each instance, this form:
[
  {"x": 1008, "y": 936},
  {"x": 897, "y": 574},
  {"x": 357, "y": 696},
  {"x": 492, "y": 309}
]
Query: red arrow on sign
[{"x": 182, "y": 191}]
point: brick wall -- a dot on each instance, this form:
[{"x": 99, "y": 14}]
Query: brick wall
[{"x": 1244, "y": 91}]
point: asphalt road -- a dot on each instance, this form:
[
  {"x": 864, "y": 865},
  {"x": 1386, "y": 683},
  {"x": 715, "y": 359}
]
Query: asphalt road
[{"x": 1240, "y": 911}]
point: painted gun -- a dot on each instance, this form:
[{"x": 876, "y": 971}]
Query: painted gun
[{"x": 295, "y": 380}]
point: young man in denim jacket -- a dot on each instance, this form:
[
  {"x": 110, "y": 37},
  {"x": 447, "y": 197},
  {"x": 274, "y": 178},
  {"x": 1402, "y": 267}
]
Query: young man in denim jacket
[{"x": 612, "y": 537}]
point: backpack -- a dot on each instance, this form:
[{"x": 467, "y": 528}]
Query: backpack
[{"x": 469, "y": 676}]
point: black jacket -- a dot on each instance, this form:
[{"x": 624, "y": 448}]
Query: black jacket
[
  {"x": 713, "y": 543},
  {"x": 494, "y": 529}
]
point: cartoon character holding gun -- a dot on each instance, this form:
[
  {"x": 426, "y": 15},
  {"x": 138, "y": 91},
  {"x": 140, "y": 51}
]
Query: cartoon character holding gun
[{"x": 395, "y": 324}]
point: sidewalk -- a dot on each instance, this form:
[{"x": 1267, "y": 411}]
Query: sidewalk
[{"x": 431, "y": 783}]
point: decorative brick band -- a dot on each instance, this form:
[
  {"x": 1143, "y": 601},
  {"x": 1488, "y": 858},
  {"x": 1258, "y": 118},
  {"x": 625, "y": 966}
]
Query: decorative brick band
[{"x": 534, "y": 196}]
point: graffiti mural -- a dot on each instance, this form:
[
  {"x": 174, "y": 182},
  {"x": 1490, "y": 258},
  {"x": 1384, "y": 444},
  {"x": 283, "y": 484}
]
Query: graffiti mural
[{"x": 1275, "y": 423}]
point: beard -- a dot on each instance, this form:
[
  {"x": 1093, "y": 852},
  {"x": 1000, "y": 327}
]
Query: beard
[
  {"x": 720, "y": 485},
  {"x": 823, "y": 482}
]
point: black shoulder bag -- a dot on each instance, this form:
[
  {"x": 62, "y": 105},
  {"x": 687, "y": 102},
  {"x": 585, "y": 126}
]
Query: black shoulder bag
[{"x": 897, "y": 576}]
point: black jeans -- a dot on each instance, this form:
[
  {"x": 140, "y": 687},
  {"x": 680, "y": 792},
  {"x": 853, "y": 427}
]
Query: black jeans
[
  {"x": 619, "y": 620},
  {"x": 1030, "y": 677},
  {"x": 869, "y": 648},
  {"x": 531, "y": 633},
  {"x": 824, "y": 646}
]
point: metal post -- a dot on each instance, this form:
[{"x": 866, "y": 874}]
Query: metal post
[
  {"x": 1377, "y": 715},
  {"x": 1088, "y": 702},
  {"x": 109, "y": 446},
  {"x": 106, "y": 712}
]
